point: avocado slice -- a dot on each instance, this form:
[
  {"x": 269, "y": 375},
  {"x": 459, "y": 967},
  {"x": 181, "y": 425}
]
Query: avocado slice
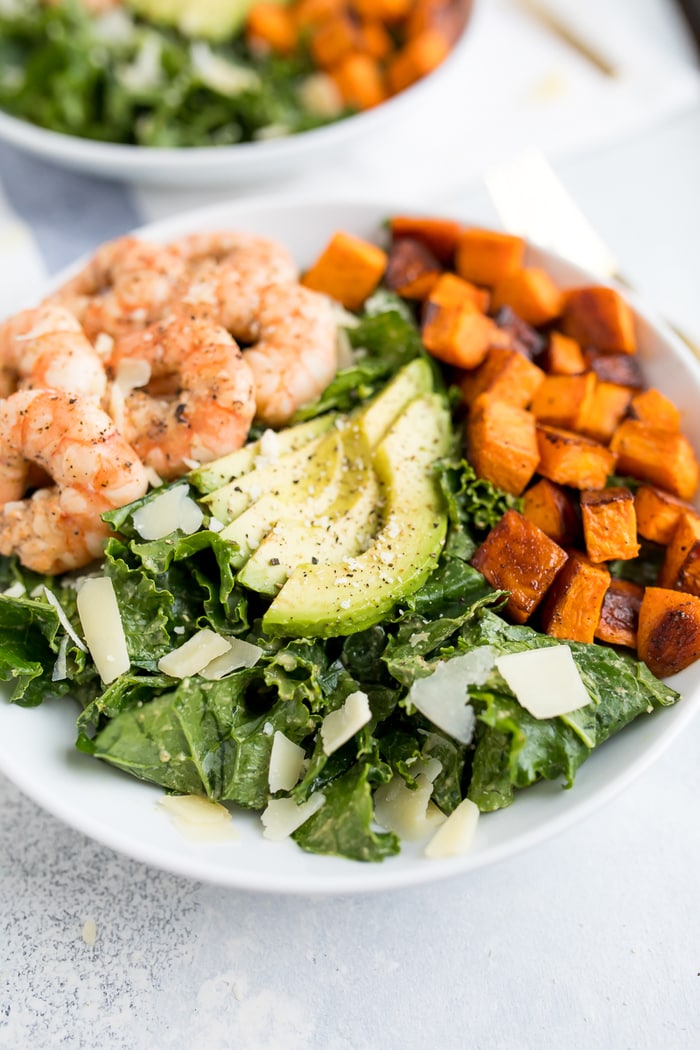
[
  {"x": 211, "y": 19},
  {"x": 344, "y": 529},
  {"x": 353, "y": 518},
  {"x": 277, "y": 476},
  {"x": 331, "y": 600},
  {"x": 221, "y": 471},
  {"x": 298, "y": 498}
]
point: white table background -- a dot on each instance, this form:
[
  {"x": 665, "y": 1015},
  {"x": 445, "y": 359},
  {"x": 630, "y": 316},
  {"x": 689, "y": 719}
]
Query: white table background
[{"x": 590, "y": 940}]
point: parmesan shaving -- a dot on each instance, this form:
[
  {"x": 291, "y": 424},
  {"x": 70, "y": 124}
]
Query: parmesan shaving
[
  {"x": 103, "y": 628},
  {"x": 283, "y": 816},
  {"x": 194, "y": 654},
  {"x": 63, "y": 619}
]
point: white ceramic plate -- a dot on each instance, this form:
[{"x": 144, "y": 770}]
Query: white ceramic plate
[
  {"x": 246, "y": 163},
  {"x": 36, "y": 746}
]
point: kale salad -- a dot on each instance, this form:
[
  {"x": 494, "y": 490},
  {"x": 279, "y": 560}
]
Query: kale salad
[{"x": 348, "y": 698}]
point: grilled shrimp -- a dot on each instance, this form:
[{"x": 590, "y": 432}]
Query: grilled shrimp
[
  {"x": 226, "y": 273},
  {"x": 92, "y": 467},
  {"x": 126, "y": 285},
  {"x": 295, "y": 354},
  {"x": 46, "y": 347},
  {"x": 198, "y": 402}
]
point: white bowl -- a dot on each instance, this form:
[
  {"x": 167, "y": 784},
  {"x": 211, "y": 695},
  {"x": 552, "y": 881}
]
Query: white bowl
[
  {"x": 247, "y": 162},
  {"x": 37, "y": 746}
]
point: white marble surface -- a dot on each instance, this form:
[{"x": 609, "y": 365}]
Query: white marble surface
[{"x": 590, "y": 941}]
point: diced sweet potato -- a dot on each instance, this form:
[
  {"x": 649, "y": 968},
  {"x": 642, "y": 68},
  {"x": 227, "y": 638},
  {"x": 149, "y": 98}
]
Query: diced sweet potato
[
  {"x": 457, "y": 335},
  {"x": 572, "y": 459},
  {"x": 650, "y": 406},
  {"x": 661, "y": 456},
  {"x": 531, "y": 293},
  {"x": 516, "y": 556},
  {"x": 412, "y": 269},
  {"x": 574, "y": 601},
  {"x": 486, "y": 256},
  {"x": 506, "y": 375},
  {"x": 439, "y": 235},
  {"x": 501, "y": 443},
  {"x": 563, "y": 400},
  {"x": 333, "y": 39},
  {"x": 312, "y": 12},
  {"x": 388, "y": 11},
  {"x": 668, "y": 637},
  {"x": 451, "y": 290},
  {"x": 418, "y": 57},
  {"x": 685, "y": 541},
  {"x": 270, "y": 27},
  {"x": 551, "y": 508},
  {"x": 609, "y": 524},
  {"x": 622, "y": 369},
  {"x": 599, "y": 316},
  {"x": 375, "y": 39},
  {"x": 563, "y": 356},
  {"x": 360, "y": 80},
  {"x": 620, "y": 614},
  {"x": 348, "y": 269},
  {"x": 522, "y": 337},
  {"x": 604, "y": 411},
  {"x": 658, "y": 513}
]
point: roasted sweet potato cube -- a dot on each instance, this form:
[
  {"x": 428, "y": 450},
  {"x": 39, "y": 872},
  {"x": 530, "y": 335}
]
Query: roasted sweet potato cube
[
  {"x": 668, "y": 637},
  {"x": 333, "y": 39},
  {"x": 451, "y": 290},
  {"x": 598, "y": 316},
  {"x": 651, "y": 406},
  {"x": 563, "y": 400},
  {"x": 270, "y": 27},
  {"x": 622, "y": 369},
  {"x": 658, "y": 513},
  {"x": 609, "y": 524},
  {"x": 439, "y": 235},
  {"x": 531, "y": 293},
  {"x": 572, "y": 459},
  {"x": 348, "y": 269},
  {"x": 664, "y": 457},
  {"x": 603, "y": 412},
  {"x": 360, "y": 80},
  {"x": 685, "y": 539},
  {"x": 506, "y": 375},
  {"x": 412, "y": 269},
  {"x": 516, "y": 556},
  {"x": 551, "y": 508},
  {"x": 521, "y": 336},
  {"x": 620, "y": 614},
  {"x": 501, "y": 443},
  {"x": 457, "y": 335},
  {"x": 575, "y": 599},
  {"x": 487, "y": 256},
  {"x": 563, "y": 356},
  {"x": 419, "y": 56}
]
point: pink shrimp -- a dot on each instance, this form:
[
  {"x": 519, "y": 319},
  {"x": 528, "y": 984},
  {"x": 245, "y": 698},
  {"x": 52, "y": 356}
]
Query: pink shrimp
[
  {"x": 126, "y": 285},
  {"x": 226, "y": 273},
  {"x": 198, "y": 402},
  {"x": 294, "y": 355},
  {"x": 46, "y": 347},
  {"x": 92, "y": 467}
]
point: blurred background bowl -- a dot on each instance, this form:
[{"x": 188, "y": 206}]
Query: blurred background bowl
[{"x": 246, "y": 162}]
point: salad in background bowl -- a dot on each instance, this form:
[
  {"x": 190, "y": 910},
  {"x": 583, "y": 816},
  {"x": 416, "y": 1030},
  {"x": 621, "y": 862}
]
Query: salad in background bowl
[
  {"x": 37, "y": 749},
  {"x": 181, "y": 92}
]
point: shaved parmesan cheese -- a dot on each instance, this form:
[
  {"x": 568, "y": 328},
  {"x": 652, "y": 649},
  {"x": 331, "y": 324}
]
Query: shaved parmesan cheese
[
  {"x": 60, "y": 668},
  {"x": 199, "y": 819},
  {"x": 171, "y": 511},
  {"x": 240, "y": 654},
  {"x": 546, "y": 682},
  {"x": 455, "y": 836},
  {"x": 340, "y": 725},
  {"x": 286, "y": 763},
  {"x": 63, "y": 619},
  {"x": 221, "y": 75},
  {"x": 15, "y": 590},
  {"x": 194, "y": 654},
  {"x": 409, "y": 812},
  {"x": 442, "y": 696},
  {"x": 102, "y": 626},
  {"x": 283, "y": 816}
]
